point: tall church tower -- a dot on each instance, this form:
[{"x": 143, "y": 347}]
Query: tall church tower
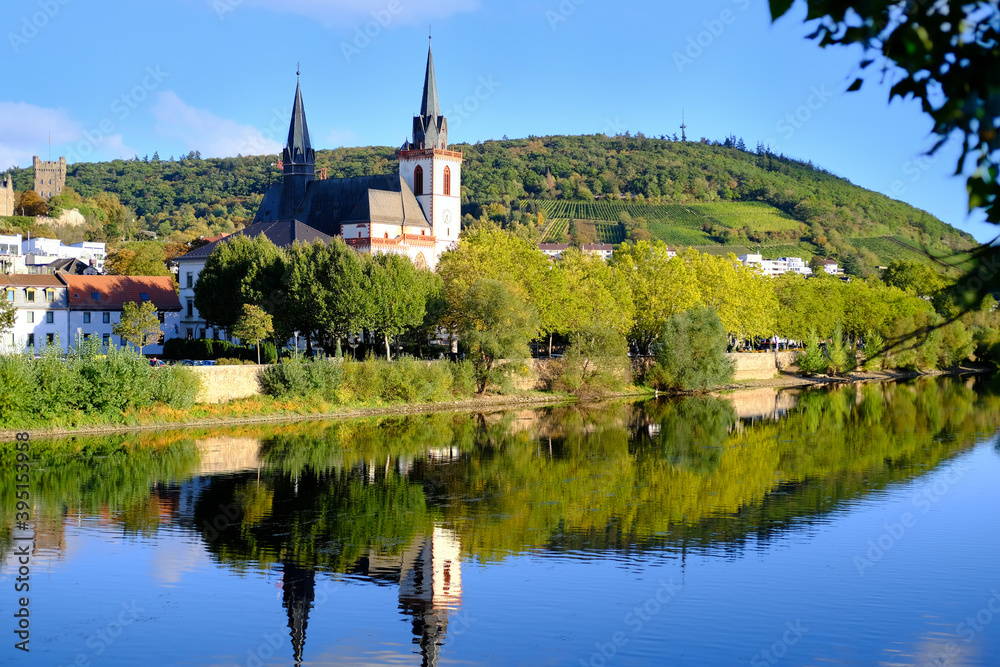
[
  {"x": 433, "y": 172},
  {"x": 298, "y": 159}
]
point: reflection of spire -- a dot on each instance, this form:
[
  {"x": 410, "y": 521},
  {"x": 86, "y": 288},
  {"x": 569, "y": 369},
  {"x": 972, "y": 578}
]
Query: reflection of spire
[
  {"x": 299, "y": 586},
  {"x": 430, "y": 585}
]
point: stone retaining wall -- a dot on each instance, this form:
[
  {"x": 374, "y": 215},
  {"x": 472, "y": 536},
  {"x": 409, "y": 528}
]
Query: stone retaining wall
[{"x": 220, "y": 384}]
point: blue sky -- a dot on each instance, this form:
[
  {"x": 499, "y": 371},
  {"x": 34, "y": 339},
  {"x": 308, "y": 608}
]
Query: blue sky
[{"x": 124, "y": 78}]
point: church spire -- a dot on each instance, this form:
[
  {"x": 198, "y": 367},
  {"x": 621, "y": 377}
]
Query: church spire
[
  {"x": 429, "y": 106},
  {"x": 430, "y": 128},
  {"x": 298, "y": 158},
  {"x": 298, "y": 144}
]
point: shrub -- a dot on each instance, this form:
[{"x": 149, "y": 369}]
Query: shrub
[
  {"x": 840, "y": 360},
  {"x": 176, "y": 386},
  {"x": 17, "y": 389},
  {"x": 596, "y": 360},
  {"x": 956, "y": 345},
  {"x": 874, "y": 348},
  {"x": 811, "y": 361},
  {"x": 229, "y": 361},
  {"x": 463, "y": 378},
  {"x": 269, "y": 353},
  {"x": 691, "y": 353}
]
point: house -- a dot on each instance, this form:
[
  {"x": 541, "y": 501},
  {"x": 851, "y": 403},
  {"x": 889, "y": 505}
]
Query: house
[
  {"x": 95, "y": 305},
  {"x": 42, "y": 313},
  {"x": 796, "y": 265},
  {"x": 828, "y": 265},
  {"x": 602, "y": 250},
  {"x": 553, "y": 250},
  {"x": 190, "y": 266},
  {"x": 11, "y": 259},
  {"x": 776, "y": 267}
]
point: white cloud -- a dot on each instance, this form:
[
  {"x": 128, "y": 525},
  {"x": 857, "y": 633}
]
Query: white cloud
[
  {"x": 201, "y": 130},
  {"x": 353, "y": 13},
  {"x": 25, "y": 130}
]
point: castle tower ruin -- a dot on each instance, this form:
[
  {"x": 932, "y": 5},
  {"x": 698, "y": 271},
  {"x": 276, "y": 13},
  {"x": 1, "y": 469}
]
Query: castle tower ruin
[
  {"x": 6, "y": 195},
  {"x": 50, "y": 177}
]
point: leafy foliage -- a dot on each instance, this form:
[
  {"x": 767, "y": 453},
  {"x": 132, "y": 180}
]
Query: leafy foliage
[
  {"x": 691, "y": 353},
  {"x": 139, "y": 324}
]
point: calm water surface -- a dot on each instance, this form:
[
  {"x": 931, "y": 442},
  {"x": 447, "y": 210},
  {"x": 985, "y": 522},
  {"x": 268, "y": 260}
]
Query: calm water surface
[{"x": 853, "y": 526}]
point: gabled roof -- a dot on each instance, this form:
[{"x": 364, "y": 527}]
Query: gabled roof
[
  {"x": 113, "y": 292},
  {"x": 329, "y": 204},
  {"x": 281, "y": 233},
  {"x": 30, "y": 280},
  {"x": 553, "y": 246},
  {"x": 68, "y": 265},
  {"x": 598, "y": 246}
]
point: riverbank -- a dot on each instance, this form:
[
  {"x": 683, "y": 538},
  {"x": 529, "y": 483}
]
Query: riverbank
[{"x": 264, "y": 410}]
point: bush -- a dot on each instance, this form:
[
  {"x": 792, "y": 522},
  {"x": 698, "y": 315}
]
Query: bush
[
  {"x": 596, "y": 361},
  {"x": 874, "y": 348},
  {"x": 691, "y": 353},
  {"x": 463, "y": 378},
  {"x": 301, "y": 378},
  {"x": 840, "y": 359},
  {"x": 811, "y": 361},
  {"x": 176, "y": 386},
  {"x": 956, "y": 345},
  {"x": 269, "y": 353},
  {"x": 229, "y": 361}
]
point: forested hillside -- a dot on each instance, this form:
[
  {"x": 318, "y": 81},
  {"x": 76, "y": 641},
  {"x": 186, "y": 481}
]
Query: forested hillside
[{"x": 716, "y": 196}]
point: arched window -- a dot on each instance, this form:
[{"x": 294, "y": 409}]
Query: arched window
[
  {"x": 418, "y": 181},
  {"x": 447, "y": 180},
  {"x": 387, "y": 233}
]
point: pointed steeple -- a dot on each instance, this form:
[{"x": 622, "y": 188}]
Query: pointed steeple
[
  {"x": 430, "y": 128},
  {"x": 298, "y": 144},
  {"x": 298, "y": 158},
  {"x": 430, "y": 106}
]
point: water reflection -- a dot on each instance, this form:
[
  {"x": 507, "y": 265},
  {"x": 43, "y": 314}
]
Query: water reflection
[{"x": 404, "y": 502}]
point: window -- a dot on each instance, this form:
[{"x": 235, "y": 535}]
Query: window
[
  {"x": 86, "y": 336},
  {"x": 10, "y": 295},
  {"x": 50, "y": 339},
  {"x": 447, "y": 180},
  {"x": 144, "y": 296},
  {"x": 105, "y": 339},
  {"x": 96, "y": 296},
  {"x": 50, "y": 296},
  {"x": 422, "y": 232},
  {"x": 50, "y": 318},
  {"x": 159, "y": 316},
  {"x": 30, "y": 317},
  {"x": 387, "y": 234},
  {"x": 190, "y": 334},
  {"x": 106, "y": 318},
  {"x": 31, "y": 340},
  {"x": 86, "y": 318},
  {"x": 190, "y": 309},
  {"x": 30, "y": 294},
  {"x": 190, "y": 280},
  {"x": 418, "y": 181}
]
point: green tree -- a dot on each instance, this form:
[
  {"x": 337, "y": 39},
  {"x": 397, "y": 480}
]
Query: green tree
[
  {"x": 495, "y": 325},
  {"x": 913, "y": 277},
  {"x": 8, "y": 314},
  {"x": 812, "y": 360},
  {"x": 596, "y": 360},
  {"x": 139, "y": 324},
  {"x": 142, "y": 258},
  {"x": 254, "y": 326},
  {"x": 661, "y": 287},
  {"x": 396, "y": 294},
  {"x": 691, "y": 353},
  {"x": 240, "y": 271},
  {"x": 840, "y": 360}
]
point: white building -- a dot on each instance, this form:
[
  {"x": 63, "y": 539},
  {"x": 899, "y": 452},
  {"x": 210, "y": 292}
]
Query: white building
[
  {"x": 553, "y": 250},
  {"x": 96, "y": 303},
  {"x": 11, "y": 259},
  {"x": 42, "y": 314},
  {"x": 41, "y": 252},
  {"x": 776, "y": 267},
  {"x": 602, "y": 250},
  {"x": 829, "y": 266}
]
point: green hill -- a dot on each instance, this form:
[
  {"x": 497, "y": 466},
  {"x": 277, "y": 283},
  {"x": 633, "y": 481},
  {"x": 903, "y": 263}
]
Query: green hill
[{"x": 589, "y": 188}]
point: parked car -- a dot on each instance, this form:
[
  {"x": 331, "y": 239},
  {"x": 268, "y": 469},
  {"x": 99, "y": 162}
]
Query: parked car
[
  {"x": 206, "y": 362},
  {"x": 157, "y": 362},
  {"x": 186, "y": 362}
]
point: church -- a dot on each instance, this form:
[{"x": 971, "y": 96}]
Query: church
[{"x": 416, "y": 212}]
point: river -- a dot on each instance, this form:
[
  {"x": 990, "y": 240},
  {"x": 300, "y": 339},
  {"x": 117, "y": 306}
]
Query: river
[{"x": 857, "y": 525}]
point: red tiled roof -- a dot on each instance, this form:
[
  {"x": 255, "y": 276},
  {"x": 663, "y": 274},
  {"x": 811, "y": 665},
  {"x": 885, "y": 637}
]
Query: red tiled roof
[
  {"x": 553, "y": 246},
  {"x": 116, "y": 291},
  {"x": 30, "y": 280},
  {"x": 599, "y": 246}
]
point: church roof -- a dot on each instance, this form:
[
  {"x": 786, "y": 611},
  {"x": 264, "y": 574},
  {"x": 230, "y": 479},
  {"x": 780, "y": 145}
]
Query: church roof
[
  {"x": 298, "y": 144},
  {"x": 430, "y": 106},
  {"x": 331, "y": 203},
  {"x": 282, "y": 233}
]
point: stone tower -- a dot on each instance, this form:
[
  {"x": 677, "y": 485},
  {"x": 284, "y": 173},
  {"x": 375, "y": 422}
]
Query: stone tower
[
  {"x": 298, "y": 159},
  {"x": 50, "y": 177},
  {"x": 6, "y": 195},
  {"x": 433, "y": 172}
]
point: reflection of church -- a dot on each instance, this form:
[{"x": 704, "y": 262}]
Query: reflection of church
[{"x": 414, "y": 213}]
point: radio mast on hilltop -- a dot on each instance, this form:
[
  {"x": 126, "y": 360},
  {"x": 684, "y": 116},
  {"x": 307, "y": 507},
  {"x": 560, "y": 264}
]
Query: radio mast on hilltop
[{"x": 683, "y": 127}]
